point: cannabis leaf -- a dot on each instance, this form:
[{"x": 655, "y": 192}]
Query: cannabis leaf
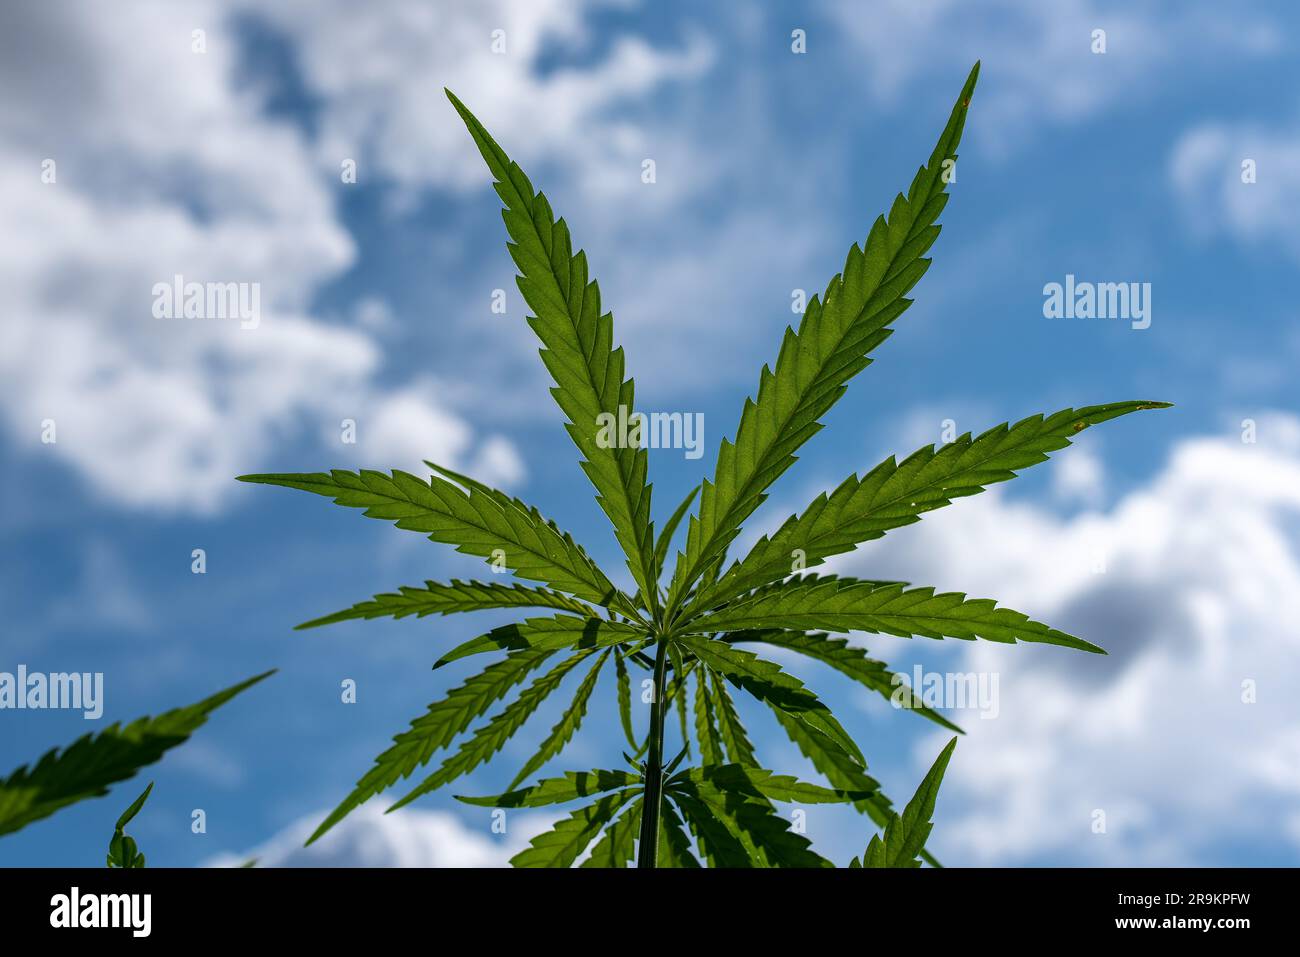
[
  {"x": 88, "y": 766},
  {"x": 451, "y": 599},
  {"x": 476, "y": 521},
  {"x": 834, "y": 339},
  {"x": 683, "y": 634},
  {"x": 906, "y": 834},
  {"x": 848, "y": 660},
  {"x": 843, "y": 604},
  {"x": 579, "y": 352},
  {"x": 122, "y": 849},
  {"x": 894, "y": 494}
]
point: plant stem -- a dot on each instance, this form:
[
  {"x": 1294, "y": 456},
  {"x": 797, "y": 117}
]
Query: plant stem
[{"x": 648, "y": 855}]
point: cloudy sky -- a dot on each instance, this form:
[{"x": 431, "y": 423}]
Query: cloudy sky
[{"x": 133, "y": 150}]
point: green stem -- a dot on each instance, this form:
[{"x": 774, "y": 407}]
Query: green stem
[{"x": 648, "y": 856}]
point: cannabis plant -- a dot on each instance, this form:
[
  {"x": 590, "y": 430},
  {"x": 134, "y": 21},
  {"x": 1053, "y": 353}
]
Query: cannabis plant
[
  {"x": 122, "y": 849},
  {"x": 89, "y": 766},
  {"x": 687, "y": 629}
]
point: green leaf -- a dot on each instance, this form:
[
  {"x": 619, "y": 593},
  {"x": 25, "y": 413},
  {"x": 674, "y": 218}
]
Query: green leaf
[
  {"x": 567, "y": 725},
  {"x": 435, "y": 729},
  {"x": 838, "y": 768},
  {"x": 474, "y": 521},
  {"x": 712, "y": 749},
  {"x": 458, "y": 596},
  {"x": 841, "y": 771},
  {"x": 894, "y": 494},
  {"x": 564, "y": 843},
  {"x": 730, "y": 726},
  {"x": 815, "y": 364},
  {"x": 570, "y": 787},
  {"x": 546, "y": 634},
  {"x": 767, "y": 682},
  {"x": 133, "y": 809},
  {"x": 905, "y": 835},
  {"x": 764, "y": 834},
  {"x": 625, "y": 698},
  {"x": 122, "y": 849},
  {"x": 677, "y": 695},
  {"x": 618, "y": 845},
  {"x": 716, "y": 837},
  {"x": 674, "y": 844},
  {"x": 670, "y": 529},
  {"x": 577, "y": 339},
  {"x": 671, "y": 766},
  {"x": 746, "y": 779},
  {"x": 708, "y": 606},
  {"x": 87, "y": 767},
  {"x": 843, "y": 604},
  {"x": 848, "y": 660},
  {"x": 491, "y": 737},
  {"x": 619, "y": 602}
]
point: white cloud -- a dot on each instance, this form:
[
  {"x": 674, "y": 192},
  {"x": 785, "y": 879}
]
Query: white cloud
[
  {"x": 1199, "y": 594},
  {"x": 403, "y": 428},
  {"x": 1080, "y": 476},
  {"x": 408, "y": 838},
  {"x": 581, "y": 133},
  {"x": 166, "y": 164},
  {"x": 386, "y": 109},
  {"x": 1038, "y": 65},
  {"x": 1206, "y": 168}
]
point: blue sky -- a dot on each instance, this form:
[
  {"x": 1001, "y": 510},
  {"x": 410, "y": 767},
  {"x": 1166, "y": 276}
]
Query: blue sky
[{"x": 224, "y": 165}]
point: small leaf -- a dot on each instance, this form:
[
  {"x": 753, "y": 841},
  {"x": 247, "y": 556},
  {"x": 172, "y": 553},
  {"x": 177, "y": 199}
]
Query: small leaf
[
  {"x": 848, "y": 660},
  {"x": 843, "y": 604},
  {"x": 895, "y": 494},
  {"x": 618, "y": 845},
  {"x": 905, "y": 835},
  {"x": 437, "y": 728},
  {"x": 476, "y": 522},
  {"x": 672, "y": 765},
  {"x": 842, "y": 772},
  {"x": 567, "y": 725},
  {"x": 766, "y": 681},
  {"x": 764, "y": 834},
  {"x": 677, "y": 695},
  {"x": 87, "y": 767},
  {"x": 564, "y": 843},
  {"x": 674, "y": 844},
  {"x": 122, "y": 850},
  {"x": 546, "y": 634},
  {"x": 625, "y": 698},
  {"x": 570, "y": 787},
  {"x": 669, "y": 529},
  {"x": 450, "y": 599},
  {"x": 134, "y": 808},
  {"x": 491, "y": 737},
  {"x": 739, "y": 748},
  {"x": 718, "y": 842},
  {"x": 745, "y": 779},
  {"x": 706, "y": 725}
]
